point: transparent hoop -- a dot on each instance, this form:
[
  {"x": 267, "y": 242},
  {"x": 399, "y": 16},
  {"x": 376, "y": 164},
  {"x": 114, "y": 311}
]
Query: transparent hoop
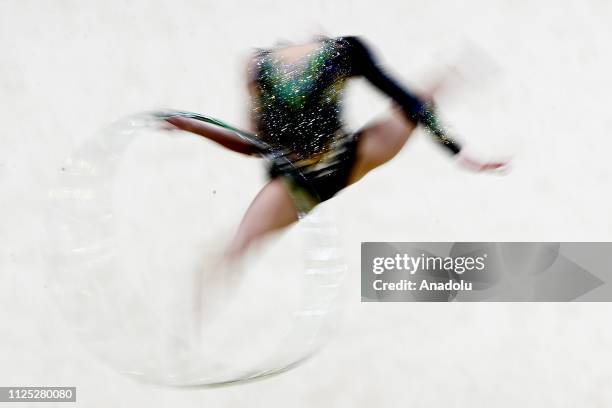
[{"x": 137, "y": 322}]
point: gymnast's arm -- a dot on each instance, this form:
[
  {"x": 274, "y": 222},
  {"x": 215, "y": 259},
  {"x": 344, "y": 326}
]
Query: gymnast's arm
[{"x": 364, "y": 64}]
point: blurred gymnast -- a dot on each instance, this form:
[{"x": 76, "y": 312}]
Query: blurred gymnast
[{"x": 296, "y": 96}]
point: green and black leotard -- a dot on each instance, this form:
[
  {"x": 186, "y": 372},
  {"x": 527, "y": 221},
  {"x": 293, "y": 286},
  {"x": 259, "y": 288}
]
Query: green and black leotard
[{"x": 297, "y": 110}]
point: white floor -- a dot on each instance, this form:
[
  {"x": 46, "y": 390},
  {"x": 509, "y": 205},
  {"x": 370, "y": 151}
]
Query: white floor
[{"x": 66, "y": 68}]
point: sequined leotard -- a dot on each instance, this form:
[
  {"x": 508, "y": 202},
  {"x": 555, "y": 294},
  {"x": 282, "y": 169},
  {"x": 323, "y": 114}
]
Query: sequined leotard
[{"x": 297, "y": 110}]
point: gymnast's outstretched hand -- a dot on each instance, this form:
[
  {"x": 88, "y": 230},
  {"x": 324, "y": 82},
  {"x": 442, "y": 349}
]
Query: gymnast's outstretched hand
[{"x": 472, "y": 164}]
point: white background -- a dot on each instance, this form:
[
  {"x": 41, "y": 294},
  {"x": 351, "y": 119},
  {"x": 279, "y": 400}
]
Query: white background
[{"x": 68, "y": 67}]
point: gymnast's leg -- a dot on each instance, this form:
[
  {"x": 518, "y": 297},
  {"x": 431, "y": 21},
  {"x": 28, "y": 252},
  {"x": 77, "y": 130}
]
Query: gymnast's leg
[
  {"x": 379, "y": 142},
  {"x": 272, "y": 209}
]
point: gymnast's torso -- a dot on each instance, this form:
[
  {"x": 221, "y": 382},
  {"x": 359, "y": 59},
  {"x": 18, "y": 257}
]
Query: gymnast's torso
[{"x": 296, "y": 104}]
